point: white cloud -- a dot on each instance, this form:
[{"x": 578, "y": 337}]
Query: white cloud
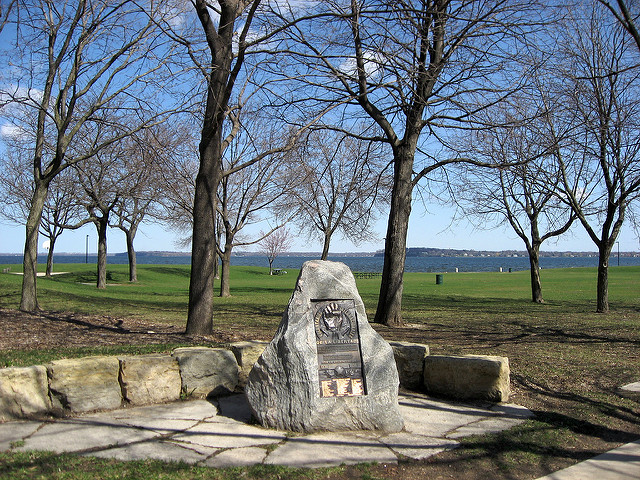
[
  {"x": 9, "y": 130},
  {"x": 372, "y": 65}
]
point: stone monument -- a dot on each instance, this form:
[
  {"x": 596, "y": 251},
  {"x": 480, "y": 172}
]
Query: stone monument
[{"x": 326, "y": 369}]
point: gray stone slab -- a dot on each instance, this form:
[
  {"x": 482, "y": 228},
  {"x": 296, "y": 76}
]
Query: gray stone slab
[
  {"x": 331, "y": 449},
  {"x": 512, "y": 410},
  {"x": 158, "y": 450},
  {"x": 191, "y": 410},
  {"x": 229, "y": 435},
  {"x": 237, "y": 457},
  {"x": 631, "y": 387},
  {"x": 622, "y": 463},
  {"x": 80, "y": 435},
  {"x": 431, "y": 418},
  {"x": 16, "y": 432},
  {"x": 234, "y": 407},
  {"x": 417, "y": 447},
  {"x": 484, "y": 426},
  {"x": 194, "y": 432}
]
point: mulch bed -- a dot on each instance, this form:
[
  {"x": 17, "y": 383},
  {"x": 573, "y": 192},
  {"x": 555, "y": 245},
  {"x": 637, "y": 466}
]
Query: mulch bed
[{"x": 46, "y": 330}]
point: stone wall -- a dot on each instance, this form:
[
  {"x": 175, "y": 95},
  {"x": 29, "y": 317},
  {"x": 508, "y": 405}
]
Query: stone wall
[{"x": 102, "y": 383}]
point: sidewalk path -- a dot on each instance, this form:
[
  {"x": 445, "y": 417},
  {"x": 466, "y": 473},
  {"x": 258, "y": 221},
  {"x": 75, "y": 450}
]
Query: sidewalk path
[
  {"x": 220, "y": 435},
  {"x": 622, "y": 463}
]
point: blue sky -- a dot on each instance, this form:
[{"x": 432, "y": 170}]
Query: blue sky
[{"x": 431, "y": 229}]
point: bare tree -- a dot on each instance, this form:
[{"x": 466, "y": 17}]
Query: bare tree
[
  {"x": 256, "y": 174},
  {"x": 415, "y": 69},
  {"x": 221, "y": 74},
  {"x": 622, "y": 11},
  {"x": 601, "y": 166},
  {"x": 525, "y": 193},
  {"x": 71, "y": 61},
  {"x": 120, "y": 182},
  {"x": 342, "y": 190},
  {"x": 274, "y": 244},
  {"x": 232, "y": 31},
  {"x": 142, "y": 153},
  {"x": 61, "y": 210}
]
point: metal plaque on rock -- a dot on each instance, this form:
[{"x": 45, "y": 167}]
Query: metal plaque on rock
[{"x": 338, "y": 347}]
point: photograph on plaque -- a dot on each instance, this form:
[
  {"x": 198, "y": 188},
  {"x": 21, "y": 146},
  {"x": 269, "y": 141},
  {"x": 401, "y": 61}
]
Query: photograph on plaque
[{"x": 338, "y": 347}]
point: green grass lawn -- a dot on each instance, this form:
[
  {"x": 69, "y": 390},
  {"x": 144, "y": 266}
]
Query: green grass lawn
[{"x": 566, "y": 360}]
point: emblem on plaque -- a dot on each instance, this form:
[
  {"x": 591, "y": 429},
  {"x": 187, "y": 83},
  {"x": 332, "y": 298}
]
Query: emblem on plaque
[{"x": 338, "y": 348}]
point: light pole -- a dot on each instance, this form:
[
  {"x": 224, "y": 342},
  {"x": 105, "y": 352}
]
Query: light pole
[
  {"x": 86, "y": 250},
  {"x": 618, "y": 253}
]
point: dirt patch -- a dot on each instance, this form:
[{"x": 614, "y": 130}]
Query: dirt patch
[{"x": 45, "y": 330}]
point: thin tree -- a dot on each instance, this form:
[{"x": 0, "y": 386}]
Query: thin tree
[
  {"x": 61, "y": 210},
  {"x": 256, "y": 174},
  {"x": 70, "y": 61},
  {"x": 343, "y": 187},
  {"x": 232, "y": 30},
  {"x": 525, "y": 193},
  {"x": 275, "y": 244},
  {"x": 601, "y": 167},
  {"x": 142, "y": 153}
]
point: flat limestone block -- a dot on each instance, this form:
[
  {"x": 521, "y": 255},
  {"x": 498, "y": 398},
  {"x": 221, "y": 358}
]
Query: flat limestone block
[
  {"x": 207, "y": 371},
  {"x": 85, "y": 384},
  {"x": 247, "y": 354},
  {"x": 410, "y": 363},
  {"x": 284, "y": 390},
  {"x": 23, "y": 391},
  {"x": 150, "y": 379},
  {"x": 468, "y": 377}
]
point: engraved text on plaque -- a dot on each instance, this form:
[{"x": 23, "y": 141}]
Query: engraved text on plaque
[{"x": 338, "y": 346}]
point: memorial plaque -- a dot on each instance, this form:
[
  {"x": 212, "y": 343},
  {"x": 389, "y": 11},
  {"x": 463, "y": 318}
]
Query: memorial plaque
[{"x": 338, "y": 348}]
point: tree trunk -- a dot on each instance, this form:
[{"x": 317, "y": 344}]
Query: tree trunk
[
  {"x": 203, "y": 248},
  {"x": 603, "y": 278},
  {"x": 52, "y": 244},
  {"x": 131, "y": 254},
  {"x": 389, "y": 310},
  {"x": 536, "y": 284},
  {"x": 101, "y": 227},
  {"x": 325, "y": 246},
  {"x": 225, "y": 261},
  {"x": 29, "y": 298},
  {"x": 270, "y": 265}
]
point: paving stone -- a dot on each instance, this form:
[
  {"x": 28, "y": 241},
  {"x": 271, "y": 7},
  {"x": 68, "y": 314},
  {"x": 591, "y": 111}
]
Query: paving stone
[
  {"x": 415, "y": 446},
  {"x": 237, "y": 457},
  {"x": 194, "y": 432},
  {"x": 234, "y": 407},
  {"x": 192, "y": 410},
  {"x": 330, "y": 449},
  {"x": 435, "y": 419},
  {"x": 487, "y": 425},
  {"x": 80, "y": 435},
  {"x": 512, "y": 410},
  {"x": 229, "y": 435},
  {"x": 631, "y": 387},
  {"x": 15, "y": 432},
  {"x": 158, "y": 450}
]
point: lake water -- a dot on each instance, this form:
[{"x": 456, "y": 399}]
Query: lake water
[{"x": 361, "y": 264}]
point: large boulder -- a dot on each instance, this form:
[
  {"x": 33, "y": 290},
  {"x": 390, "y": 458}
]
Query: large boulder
[
  {"x": 326, "y": 368},
  {"x": 85, "y": 384},
  {"x": 410, "y": 363},
  {"x": 207, "y": 371},
  {"x": 247, "y": 354},
  {"x": 23, "y": 391},
  {"x": 148, "y": 379},
  {"x": 468, "y": 377}
]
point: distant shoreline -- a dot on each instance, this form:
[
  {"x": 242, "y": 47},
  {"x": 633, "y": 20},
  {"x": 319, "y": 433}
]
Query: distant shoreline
[{"x": 411, "y": 252}]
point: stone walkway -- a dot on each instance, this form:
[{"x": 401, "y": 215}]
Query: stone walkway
[{"x": 220, "y": 435}]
